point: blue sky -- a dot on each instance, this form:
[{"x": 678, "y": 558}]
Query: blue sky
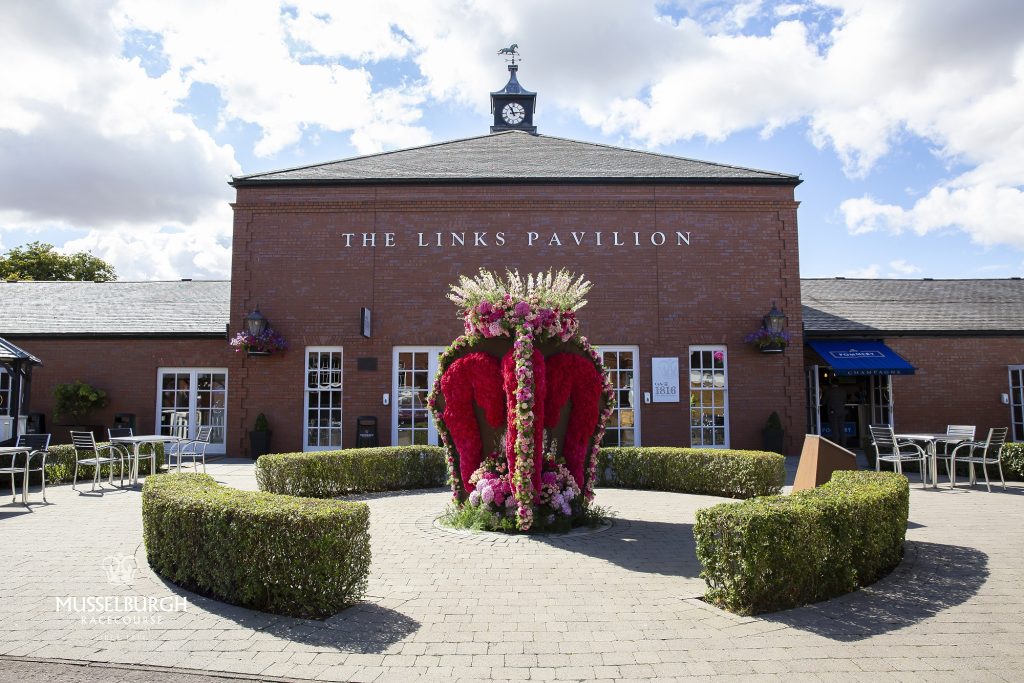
[{"x": 121, "y": 122}]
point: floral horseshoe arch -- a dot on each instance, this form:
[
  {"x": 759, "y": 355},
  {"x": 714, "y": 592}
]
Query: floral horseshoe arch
[{"x": 521, "y": 399}]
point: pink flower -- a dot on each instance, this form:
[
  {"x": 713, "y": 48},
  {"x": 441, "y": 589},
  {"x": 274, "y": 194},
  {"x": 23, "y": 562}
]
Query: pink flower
[{"x": 521, "y": 309}]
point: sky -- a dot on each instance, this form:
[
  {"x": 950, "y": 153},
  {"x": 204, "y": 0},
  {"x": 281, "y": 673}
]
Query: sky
[{"x": 121, "y": 122}]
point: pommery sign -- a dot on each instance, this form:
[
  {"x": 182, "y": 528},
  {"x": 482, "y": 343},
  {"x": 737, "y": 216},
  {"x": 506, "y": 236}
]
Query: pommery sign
[{"x": 485, "y": 238}]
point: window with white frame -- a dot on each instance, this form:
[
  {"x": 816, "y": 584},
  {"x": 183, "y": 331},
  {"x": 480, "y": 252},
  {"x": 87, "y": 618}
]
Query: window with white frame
[
  {"x": 1017, "y": 401},
  {"x": 190, "y": 398},
  {"x": 323, "y": 395},
  {"x": 620, "y": 362},
  {"x": 709, "y": 397},
  {"x": 5, "y": 393},
  {"x": 413, "y": 372}
]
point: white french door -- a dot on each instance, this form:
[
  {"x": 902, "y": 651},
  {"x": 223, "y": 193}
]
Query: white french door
[
  {"x": 190, "y": 398},
  {"x": 620, "y": 362},
  {"x": 323, "y": 395},
  {"x": 412, "y": 378}
]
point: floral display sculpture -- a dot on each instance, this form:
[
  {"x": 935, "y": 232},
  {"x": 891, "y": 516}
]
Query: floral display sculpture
[{"x": 521, "y": 399}]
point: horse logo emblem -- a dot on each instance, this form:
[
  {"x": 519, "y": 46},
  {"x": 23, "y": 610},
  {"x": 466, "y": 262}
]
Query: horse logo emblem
[{"x": 120, "y": 569}]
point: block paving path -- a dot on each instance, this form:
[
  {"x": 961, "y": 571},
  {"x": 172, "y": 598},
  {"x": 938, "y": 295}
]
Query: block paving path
[{"x": 617, "y": 604}]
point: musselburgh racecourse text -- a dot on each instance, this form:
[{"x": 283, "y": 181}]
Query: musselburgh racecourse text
[{"x": 613, "y": 238}]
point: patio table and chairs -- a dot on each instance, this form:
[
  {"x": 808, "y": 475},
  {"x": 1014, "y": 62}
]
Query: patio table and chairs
[
  {"x": 931, "y": 441},
  {"x": 134, "y": 443}
]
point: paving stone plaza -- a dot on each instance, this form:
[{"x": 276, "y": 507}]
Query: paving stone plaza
[{"x": 615, "y": 604}]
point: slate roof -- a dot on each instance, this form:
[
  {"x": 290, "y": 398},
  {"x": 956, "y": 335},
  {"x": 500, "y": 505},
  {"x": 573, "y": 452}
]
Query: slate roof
[
  {"x": 515, "y": 156},
  {"x": 831, "y": 307},
  {"x": 183, "y": 308},
  {"x": 836, "y": 307}
]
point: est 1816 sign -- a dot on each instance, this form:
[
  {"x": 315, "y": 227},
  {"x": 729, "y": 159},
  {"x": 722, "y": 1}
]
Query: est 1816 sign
[{"x": 665, "y": 379}]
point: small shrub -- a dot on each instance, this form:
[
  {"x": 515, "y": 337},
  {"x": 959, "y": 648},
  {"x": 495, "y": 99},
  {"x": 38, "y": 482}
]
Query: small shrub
[
  {"x": 778, "y": 552},
  {"x": 261, "y": 424},
  {"x": 328, "y": 474},
  {"x": 279, "y": 554},
  {"x": 1013, "y": 461},
  {"x": 77, "y": 399},
  {"x": 712, "y": 472}
]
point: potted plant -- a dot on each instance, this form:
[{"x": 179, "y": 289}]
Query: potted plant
[
  {"x": 773, "y": 434},
  {"x": 259, "y": 437},
  {"x": 767, "y": 341},
  {"x": 262, "y": 344}
]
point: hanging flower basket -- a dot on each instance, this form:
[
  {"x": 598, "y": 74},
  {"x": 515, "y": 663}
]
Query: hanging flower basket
[
  {"x": 767, "y": 341},
  {"x": 263, "y": 344}
]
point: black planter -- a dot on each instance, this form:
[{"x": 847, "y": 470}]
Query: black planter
[
  {"x": 773, "y": 439},
  {"x": 259, "y": 443}
]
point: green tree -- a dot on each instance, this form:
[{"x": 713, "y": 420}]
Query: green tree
[{"x": 38, "y": 261}]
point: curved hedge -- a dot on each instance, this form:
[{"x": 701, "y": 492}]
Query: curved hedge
[
  {"x": 713, "y": 472},
  {"x": 778, "y": 552},
  {"x": 326, "y": 474},
  {"x": 280, "y": 554}
]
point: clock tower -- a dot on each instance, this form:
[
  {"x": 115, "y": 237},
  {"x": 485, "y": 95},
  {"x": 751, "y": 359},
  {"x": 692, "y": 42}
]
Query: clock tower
[{"x": 513, "y": 105}]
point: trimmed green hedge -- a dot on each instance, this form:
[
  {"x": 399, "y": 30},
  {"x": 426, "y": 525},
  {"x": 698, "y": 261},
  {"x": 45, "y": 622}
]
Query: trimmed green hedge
[
  {"x": 280, "y": 554},
  {"x": 1013, "y": 461},
  {"x": 778, "y": 552},
  {"x": 712, "y": 472},
  {"x": 327, "y": 474}
]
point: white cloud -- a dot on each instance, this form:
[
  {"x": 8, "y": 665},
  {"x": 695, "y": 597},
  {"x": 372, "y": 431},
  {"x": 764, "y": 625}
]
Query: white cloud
[
  {"x": 898, "y": 268},
  {"x": 275, "y": 70},
  {"x": 870, "y": 272},
  {"x": 901, "y": 267}
]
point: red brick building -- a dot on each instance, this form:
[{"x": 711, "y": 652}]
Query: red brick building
[{"x": 350, "y": 261}]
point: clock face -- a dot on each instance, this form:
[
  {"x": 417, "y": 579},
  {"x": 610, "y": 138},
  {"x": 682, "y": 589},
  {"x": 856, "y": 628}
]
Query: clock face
[{"x": 513, "y": 113}]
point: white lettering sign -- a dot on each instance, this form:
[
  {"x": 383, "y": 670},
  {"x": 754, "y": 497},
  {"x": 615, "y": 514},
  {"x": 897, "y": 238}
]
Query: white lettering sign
[
  {"x": 665, "y": 379},
  {"x": 484, "y": 238}
]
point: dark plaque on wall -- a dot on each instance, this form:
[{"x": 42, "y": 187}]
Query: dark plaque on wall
[{"x": 366, "y": 364}]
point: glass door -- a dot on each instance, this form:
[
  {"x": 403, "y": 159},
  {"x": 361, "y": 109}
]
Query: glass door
[
  {"x": 323, "y": 392},
  {"x": 190, "y": 398},
  {"x": 623, "y": 428},
  {"x": 414, "y": 368},
  {"x": 881, "y": 400},
  {"x": 813, "y": 401}
]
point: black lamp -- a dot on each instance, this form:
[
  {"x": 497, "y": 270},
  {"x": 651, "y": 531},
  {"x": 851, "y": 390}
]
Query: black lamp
[
  {"x": 255, "y": 323},
  {"x": 775, "y": 320}
]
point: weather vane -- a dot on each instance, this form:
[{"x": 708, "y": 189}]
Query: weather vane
[{"x": 512, "y": 51}]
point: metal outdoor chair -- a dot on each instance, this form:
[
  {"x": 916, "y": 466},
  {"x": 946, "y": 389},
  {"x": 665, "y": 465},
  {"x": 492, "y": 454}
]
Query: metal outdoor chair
[
  {"x": 193, "y": 449},
  {"x": 982, "y": 453},
  {"x": 115, "y": 432},
  {"x": 36, "y": 462},
  {"x": 887, "y": 448},
  {"x": 944, "y": 449},
  {"x": 38, "y": 443},
  {"x": 85, "y": 442}
]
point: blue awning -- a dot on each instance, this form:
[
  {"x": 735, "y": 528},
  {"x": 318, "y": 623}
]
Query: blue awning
[{"x": 860, "y": 357}]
